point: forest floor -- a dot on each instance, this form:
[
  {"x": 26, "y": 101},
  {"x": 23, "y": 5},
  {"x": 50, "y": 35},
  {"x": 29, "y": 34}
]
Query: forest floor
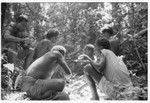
[{"x": 78, "y": 89}]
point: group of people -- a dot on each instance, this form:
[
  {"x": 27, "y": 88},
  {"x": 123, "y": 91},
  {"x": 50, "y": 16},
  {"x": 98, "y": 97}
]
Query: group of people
[{"x": 104, "y": 69}]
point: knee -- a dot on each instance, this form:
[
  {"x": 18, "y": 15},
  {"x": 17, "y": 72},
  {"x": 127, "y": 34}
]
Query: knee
[
  {"x": 62, "y": 96},
  {"x": 61, "y": 84},
  {"x": 88, "y": 69}
]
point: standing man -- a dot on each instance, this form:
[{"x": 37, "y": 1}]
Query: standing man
[{"x": 16, "y": 36}]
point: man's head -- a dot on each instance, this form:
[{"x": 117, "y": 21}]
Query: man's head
[
  {"x": 52, "y": 35},
  {"x": 22, "y": 18},
  {"x": 102, "y": 44},
  {"x": 22, "y": 22},
  {"x": 108, "y": 32},
  {"x": 60, "y": 49},
  {"x": 89, "y": 49}
]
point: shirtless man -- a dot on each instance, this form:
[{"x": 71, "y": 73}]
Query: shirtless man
[
  {"x": 15, "y": 36},
  {"x": 38, "y": 82},
  {"x": 46, "y": 44},
  {"x": 14, "y": 39},
  {"x": 41, "y": 48},
  {"x": 89, "y": 51},
  {"x": 114, "y": 42},
  {"x": 115, "y": 71}
]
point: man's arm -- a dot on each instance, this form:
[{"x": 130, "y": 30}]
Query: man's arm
[
  {"x": 99, "y": 65},
  {"x": 63, "y": 64},
  {"x": 9, "y": 37},
  {"x": 12, "y": 38},
  {"x": 93, "y": 88}
]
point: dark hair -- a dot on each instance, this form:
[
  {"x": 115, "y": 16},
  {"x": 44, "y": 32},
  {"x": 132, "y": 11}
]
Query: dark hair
[
  {"x": 89, "y": 46},
  {"x": 52, "y": 33},
  {"x": 22, "y": 18},
  {"x": 108, "y": 30},
  {"x": 104, "y": 43}
]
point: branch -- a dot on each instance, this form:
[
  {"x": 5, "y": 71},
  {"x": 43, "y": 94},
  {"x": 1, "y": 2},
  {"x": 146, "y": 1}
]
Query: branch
[{"x": 140, "y": 33}]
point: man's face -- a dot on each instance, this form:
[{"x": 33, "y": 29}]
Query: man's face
[
  {"x": 106, "y": 35},
  {"x": 88, "y": 51},
  {"x": 54, "y": 39},
  {"x": 23, "y": 25},
  {"x": 98, "y": 48}
]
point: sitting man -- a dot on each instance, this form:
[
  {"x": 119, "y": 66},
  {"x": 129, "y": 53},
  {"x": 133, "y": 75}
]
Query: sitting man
[
  {"x": 38, "y": 82},
  {"x": 89, "y": 51},
  {"x": 114, "y": 71}
]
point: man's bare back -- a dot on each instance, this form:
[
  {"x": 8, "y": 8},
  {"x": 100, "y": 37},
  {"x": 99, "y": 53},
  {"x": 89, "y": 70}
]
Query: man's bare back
[
  {"x": 38, "y": 82},
  {"x": 45, "y": 65}
]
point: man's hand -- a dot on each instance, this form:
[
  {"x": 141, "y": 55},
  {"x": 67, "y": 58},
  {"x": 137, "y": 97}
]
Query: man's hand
[
  {"x": 68, "y": 78},
  {"x": 83, "y": 56}
]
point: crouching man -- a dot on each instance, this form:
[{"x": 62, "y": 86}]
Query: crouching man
[{"x": 38, "y": 83}]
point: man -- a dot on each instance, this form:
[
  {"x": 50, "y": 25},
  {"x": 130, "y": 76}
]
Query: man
[
  {"x": 25, "y": 55},
  {"x": 41, "y": 48},
  {"x": 114, "y": 71},
  {"x": 15, "y": 36},
  {"x": 38, "y": 82},
  {"x": 89, "y": 51},
  {"x": 45, "y": 45},
  {"x": 14, "y": 40},
  {"x": 114, "y": 42}
]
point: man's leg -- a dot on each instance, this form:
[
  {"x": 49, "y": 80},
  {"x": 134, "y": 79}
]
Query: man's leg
[
  {"x": 28, "y": 59},
  {"x": 43, "y": 89},
  {"x": 88, "y": 69},
  {"x": 91, "y": 74},
  {"x": 93, "y": 87},
  {"x": 61, "y": 96}
]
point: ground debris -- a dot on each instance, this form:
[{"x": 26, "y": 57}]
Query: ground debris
[
  {"x": 78, "y": 89},
  {"x": 15, "y": 96}
]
